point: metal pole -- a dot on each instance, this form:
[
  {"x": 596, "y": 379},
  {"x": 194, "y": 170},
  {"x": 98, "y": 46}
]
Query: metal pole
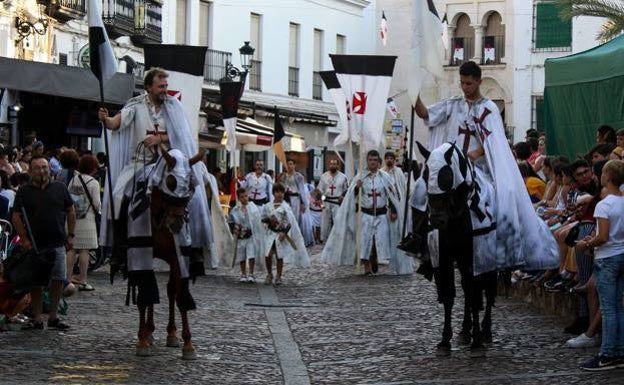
[{"x": 409, "y": 172}]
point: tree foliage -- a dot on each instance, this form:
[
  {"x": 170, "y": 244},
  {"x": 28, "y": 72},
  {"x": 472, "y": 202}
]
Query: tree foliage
[{"x": 612, "y": 10}]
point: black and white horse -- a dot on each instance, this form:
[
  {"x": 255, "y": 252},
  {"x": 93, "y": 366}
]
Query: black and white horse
[{"x": 453, "y": 203}]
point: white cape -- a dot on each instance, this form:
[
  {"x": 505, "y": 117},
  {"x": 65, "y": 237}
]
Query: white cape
[
  {"x": 298, "y": 257},
  {"x": 223, "y": 241}
]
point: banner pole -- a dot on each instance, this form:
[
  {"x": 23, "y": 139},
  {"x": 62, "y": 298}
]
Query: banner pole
[{"x": 409, "y": 172}]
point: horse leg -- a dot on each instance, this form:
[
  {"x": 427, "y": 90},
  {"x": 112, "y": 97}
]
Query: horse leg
[
  {"x": 464, "y": 336},
  {"x": 149, "y": 325},
  {"x": 444, "y": 347},
  {"x": 490, "y": 296},
  {"x": 188, "y": 350},
  {"x": 143, "y": 346},
  {"x": 477, "y": 349},
  {"x": 172, "y": 338}
]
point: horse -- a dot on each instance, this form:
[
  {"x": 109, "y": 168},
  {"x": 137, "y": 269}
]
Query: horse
[
  {"x": 453, "y": 199},
  {"x": 153, "y": 224}
]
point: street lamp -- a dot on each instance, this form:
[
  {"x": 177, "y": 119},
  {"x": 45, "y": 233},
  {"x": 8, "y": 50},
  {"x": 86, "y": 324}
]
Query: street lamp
[
  {"x": 25, "y": 28},
  {"x": 139, "y": 17},
  {"x": 246, "y": 53}
]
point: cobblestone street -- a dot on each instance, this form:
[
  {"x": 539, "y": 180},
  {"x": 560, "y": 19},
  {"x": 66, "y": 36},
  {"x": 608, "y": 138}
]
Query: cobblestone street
[{"x": 324, "y": 326}]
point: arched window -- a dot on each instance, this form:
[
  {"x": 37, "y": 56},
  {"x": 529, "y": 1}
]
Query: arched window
[
  {"x": 463, "y": 41},
  {"x": 494, "y": 40}
]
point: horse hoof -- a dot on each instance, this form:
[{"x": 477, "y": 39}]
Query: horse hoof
[
  {"x": 150, "y": 340},
  {"x": 477, "y": 351},
  {"x": 463, "y": 338},
  {"x": 487, "y": 338},
  {"x": 189, "y": 354},
  {"x": 443, "y": 349},
  {"x": 173, "y": 342},
  {"x": 143, "y": 351}
]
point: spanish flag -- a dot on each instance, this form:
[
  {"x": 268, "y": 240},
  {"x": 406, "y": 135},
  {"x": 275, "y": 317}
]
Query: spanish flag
[{"x": 278, "y": 135}]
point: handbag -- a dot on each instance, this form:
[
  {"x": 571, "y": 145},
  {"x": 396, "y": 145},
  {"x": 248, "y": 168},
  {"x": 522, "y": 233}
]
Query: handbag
[{"x": 573, "y": 235}]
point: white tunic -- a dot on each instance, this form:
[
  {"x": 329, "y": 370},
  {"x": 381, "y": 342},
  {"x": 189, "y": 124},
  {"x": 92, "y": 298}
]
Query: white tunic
[
  {"x": 297, "y": 255},
  {"x": 259, "y": 187}
]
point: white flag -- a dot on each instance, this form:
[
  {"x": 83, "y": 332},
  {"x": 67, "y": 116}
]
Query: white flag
[
  {"x": 102, "y": 59},
  {"x": 427, "y": 48}
]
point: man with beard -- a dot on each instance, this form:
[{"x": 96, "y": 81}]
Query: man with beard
[
  {"x": 47, "y": 205},
  {"x": 259, "y": 185},
  {"x": 333, "y": 186},
  {"x": 146, "y": 123},
  {"x": 296, "y": 192},
  {"x": 395, "y": 172}
]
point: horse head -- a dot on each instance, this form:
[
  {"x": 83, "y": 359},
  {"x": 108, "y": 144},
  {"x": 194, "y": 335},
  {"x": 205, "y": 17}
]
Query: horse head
[
  {"x": 177, "y": 186},
  {"x": 448, "y": 175}
]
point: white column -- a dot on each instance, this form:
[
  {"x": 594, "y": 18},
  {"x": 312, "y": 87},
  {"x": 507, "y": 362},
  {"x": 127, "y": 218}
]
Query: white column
[
  {"x": 168, "y": 21},
  {"x": 192, "y": 22},
  {"x": 450, "y": 34},
  {"x": 478, "y": 44}
]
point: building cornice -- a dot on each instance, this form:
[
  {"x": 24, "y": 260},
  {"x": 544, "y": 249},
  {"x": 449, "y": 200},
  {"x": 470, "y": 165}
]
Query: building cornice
[{"x": 349, "y": 3}]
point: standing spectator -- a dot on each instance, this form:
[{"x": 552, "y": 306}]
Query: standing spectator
[
  {"x": 86, "y": 217},
  {"x": 5, "y": 165},
  {"x": 5, "y": 188},
  {"x": 29, "y": 140},
  {"x": 55, "y": 164},
  {"x": 609, "y": 268},
  {"x": 24, "y": 159},
  {"x": 69, "y": 162},
  {"x": 38, "y": 148},
  {"x": 605, "y": 134},
  {"x": 101, "y": 172},
  {"x": 13, "y": 159},
  {"x": 47, "y": 205},
  {"x": 534, "y": 148}
]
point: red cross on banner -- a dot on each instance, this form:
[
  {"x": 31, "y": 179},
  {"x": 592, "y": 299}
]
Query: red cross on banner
[
  {"x": 175, "y": 94},
  {"x": 359, "y": 103}
]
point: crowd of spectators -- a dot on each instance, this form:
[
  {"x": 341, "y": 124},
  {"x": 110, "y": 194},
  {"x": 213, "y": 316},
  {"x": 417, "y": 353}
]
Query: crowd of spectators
[{"x": 582, "y": 202}]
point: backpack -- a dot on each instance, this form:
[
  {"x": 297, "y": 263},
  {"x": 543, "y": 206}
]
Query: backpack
[{"x": 78, "y": 195}]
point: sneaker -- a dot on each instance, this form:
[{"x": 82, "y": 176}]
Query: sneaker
[
  {"x": 33, "y": 325},
  {"x": 599, "y": 363},
  {"x": 85, "y": 287},
  {"x": 251, "y": 279},
  {"x": 268, "y": 280},
  {"x": 57, "y": 324},
  {"x": 278, "y": 281},
  {"x": 583, "y": 341},
  {"x": 243, "y": 278}
]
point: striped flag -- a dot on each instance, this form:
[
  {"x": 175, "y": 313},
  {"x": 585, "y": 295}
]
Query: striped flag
[
  {"x": 278, "y": 135},
  {"x": 230, "y": 96},
  {"x": 103, "y": 62},
  {"x": 383, "y": 28}
]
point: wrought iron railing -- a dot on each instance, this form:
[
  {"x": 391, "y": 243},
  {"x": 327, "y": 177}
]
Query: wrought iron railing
[
  {"x": 255, "y": 75},
  {"x": 493, "y": 50},
  {"x": 293, "y": 81},
  {"x": 462, "y": 50},
  {"x": 65, "y": 10},
  {"x": 214, "y": 66},
  {"x": 317, "y": 86}
]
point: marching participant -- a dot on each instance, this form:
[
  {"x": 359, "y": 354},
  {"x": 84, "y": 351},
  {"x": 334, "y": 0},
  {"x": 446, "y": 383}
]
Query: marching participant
[{"x": 333, "y": 186}]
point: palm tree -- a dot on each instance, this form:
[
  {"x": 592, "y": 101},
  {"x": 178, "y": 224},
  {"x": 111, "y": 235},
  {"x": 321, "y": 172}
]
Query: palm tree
[{"x": 612, "y": 10}]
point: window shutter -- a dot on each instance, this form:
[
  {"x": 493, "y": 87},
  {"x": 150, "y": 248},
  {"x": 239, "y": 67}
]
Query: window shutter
[
  {"x": 551, "y": 31},
  {"x": 539, "y": 114},
  {"x": 63, "y": 59}
]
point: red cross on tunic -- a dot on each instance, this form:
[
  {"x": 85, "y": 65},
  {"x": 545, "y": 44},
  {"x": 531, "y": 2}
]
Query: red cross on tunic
[
  {"x": 255, "y": 194},
  {"x": 332, "y": 188},
  {"x": 484, "y": 133},
  {"x": 374, "y": 194},
  {"x": 467, "y": 132}
]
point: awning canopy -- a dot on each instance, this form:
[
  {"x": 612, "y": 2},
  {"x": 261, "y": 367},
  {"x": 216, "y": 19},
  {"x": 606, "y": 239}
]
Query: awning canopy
[
  {"x": 583, "y": 92},
  {"x": 251, "y": 136},
  {"x": 65, "y": 81}
]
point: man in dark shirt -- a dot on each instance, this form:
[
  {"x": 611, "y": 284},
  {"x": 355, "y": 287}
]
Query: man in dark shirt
[{"x": 47, "y": 205}]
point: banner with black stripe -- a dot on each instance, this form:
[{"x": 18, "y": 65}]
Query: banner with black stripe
[
  {"x": 230, "y": 96},
  {"x": 365, "y": 82}
]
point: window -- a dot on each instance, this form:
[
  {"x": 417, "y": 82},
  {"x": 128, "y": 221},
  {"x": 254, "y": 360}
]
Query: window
[
  {"x": 463, "y": 41},
  {"x": 341, "y": 44},
  {"x": 180, "y": 36},
  {"x": 293, "y": 60},
  {"x": 537, "y": 121},
  {"x": 63, "y": 59},
  {"x": 255, "y": 39},
  {"x": 317, "y": 84},
  {"x": 550, "y": 33},
  {"x": 204, "y": 22},
  {"x": 494, "y": 40}
]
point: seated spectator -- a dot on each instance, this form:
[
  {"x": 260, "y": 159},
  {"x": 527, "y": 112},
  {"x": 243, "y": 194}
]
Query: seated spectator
[
  {"x": 609, "y": 268},
  {"x": 600, "y": 152},
  {"x": 535, "y": 186},
  {"x": 534, "y": 147},
  {"x": 605, "y": 135},
  {"x": 522, "y": 151},
  {"x": 24, "y": 159},
  {"x": 5, "y": 165},
  {"x": 618, "y": 152},
  {"x": 5, "y": 188}
]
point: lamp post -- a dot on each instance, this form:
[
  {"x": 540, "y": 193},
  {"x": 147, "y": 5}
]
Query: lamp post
[
  {"x": 231, "y": 72},
  {"x": 12, "y": 117}
]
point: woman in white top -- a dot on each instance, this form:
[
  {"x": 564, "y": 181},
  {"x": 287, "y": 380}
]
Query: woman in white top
[
  {"x": 85, "y": 192},
  {"x": 609, "y": 268}
]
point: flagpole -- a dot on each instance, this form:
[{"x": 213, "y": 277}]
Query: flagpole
[{"x": 409, "y": 172}]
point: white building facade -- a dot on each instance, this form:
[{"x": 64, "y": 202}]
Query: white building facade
[{"x": 510, "y": 39}]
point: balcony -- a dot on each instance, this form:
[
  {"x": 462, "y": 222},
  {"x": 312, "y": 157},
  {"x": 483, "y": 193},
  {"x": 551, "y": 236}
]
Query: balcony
[
  {"x": 65, "y": 10},
  {"x": 493, "y": 50},
  {"x": 317, "y": 86},
  {"x": 147, "y": 22},
  {"x": 293, "y": 81},
  {"x": 463, "y": 50},
  {"x": 214, "y": 66},
  {"x": 255, "y": 75},
  {"x": 139, "y": 19}
]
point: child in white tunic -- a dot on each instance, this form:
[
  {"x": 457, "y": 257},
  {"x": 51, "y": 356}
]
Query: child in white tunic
[
  {"x": 248, "y": 232},
  {"x": 283, "y": 238}
]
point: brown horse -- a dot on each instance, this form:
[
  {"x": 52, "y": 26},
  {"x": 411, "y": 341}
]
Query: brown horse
[{"x": 169, "y": 188}]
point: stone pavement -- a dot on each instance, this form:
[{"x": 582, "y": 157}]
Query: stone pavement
[{"x": 324, "y": 326}]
